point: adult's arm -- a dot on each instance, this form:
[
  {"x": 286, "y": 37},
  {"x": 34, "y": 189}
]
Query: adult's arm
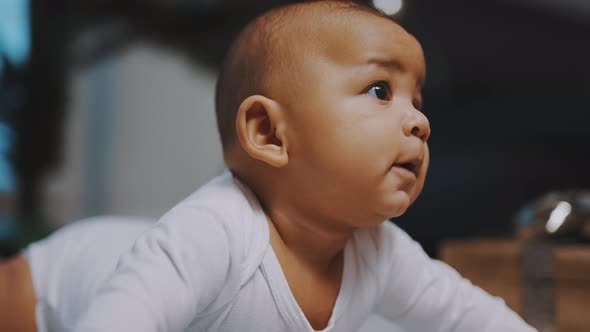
[{"x": 17, "y": 296}]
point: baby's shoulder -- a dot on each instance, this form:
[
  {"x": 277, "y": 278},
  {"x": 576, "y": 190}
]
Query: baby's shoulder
[
  {"x": 226, "y": 211},
  {"x": 219, "y": 202}
]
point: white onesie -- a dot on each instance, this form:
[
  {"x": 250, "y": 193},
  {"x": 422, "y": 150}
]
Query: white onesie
[
  {"x": 69, "y": 266},
  {"x": 207, "y": 266}
]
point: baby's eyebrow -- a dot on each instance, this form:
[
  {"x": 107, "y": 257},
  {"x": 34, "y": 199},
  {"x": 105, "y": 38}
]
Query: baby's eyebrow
[
  {"x": 395, "y": 65},
  {"x": 385, "y": 63}
]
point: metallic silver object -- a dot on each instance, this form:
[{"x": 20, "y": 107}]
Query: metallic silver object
[
  {"x": 556, "y": 217},
  {"x": 561, "y": 216}
]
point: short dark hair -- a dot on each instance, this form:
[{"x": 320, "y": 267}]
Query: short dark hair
[{"x": 256, "y": 52}]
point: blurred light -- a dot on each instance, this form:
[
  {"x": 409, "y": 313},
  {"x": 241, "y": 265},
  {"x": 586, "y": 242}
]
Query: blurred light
[
  {"x": 389, "y": 7},
  {"x": 15, "y": 35},
  {"x": 557, "y": 217}
]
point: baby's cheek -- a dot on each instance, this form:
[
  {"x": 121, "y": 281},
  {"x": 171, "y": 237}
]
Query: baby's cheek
[{"x": 419, "y": 184}]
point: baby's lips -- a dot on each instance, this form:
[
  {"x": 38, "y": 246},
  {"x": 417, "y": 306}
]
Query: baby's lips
[{"x": 413, "y": 164}]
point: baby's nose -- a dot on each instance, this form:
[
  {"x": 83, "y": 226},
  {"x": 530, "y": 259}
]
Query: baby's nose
[{"x": 417, "y": 124}]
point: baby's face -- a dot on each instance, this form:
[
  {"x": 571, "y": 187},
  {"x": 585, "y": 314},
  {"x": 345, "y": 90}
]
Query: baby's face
[{"x": 358, "y": 138}]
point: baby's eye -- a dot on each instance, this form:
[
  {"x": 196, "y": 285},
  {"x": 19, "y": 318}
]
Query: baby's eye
[{"x": 379, "y": 90}]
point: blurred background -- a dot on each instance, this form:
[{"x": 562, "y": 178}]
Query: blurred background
[{"x": 106, "y": 107}]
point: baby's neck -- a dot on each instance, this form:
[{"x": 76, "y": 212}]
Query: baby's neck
[
  {"x": 312, "y": 261},
  {"x": 313, "y": 244},
  {"x": 313, "y": 240}
]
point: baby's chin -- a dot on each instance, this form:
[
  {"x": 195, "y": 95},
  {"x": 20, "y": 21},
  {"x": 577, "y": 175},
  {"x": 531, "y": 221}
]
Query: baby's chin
[
  {"x": 396, "y": 205},
  {"x": 397, "y": 214}
]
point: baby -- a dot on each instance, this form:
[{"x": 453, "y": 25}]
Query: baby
[{"x": 318, "y": 107}]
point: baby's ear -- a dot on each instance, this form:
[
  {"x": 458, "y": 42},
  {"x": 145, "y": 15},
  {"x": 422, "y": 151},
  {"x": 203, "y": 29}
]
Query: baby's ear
[{"x": 260, "y": 127}]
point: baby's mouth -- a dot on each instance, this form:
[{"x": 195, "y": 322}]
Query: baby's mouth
[
  {"x": 412, "y": 166},
  {"x": 409, "y": 166}
]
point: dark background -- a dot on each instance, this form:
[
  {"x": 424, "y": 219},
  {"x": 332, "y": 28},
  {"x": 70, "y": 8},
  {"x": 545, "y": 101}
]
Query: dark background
[{"x": 507, "y": 95}]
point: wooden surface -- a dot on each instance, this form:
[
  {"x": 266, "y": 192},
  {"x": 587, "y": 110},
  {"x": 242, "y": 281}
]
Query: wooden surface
[{"x": 496, "y": 266}]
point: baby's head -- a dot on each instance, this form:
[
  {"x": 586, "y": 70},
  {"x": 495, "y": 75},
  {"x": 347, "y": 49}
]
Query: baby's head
[{"x": 318, "y": 107}]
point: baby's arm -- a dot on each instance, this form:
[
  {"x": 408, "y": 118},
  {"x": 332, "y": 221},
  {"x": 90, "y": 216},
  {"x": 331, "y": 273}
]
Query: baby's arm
[
  {"x": 172, "y": 273},
  {"x": 421, "y": 294}
]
